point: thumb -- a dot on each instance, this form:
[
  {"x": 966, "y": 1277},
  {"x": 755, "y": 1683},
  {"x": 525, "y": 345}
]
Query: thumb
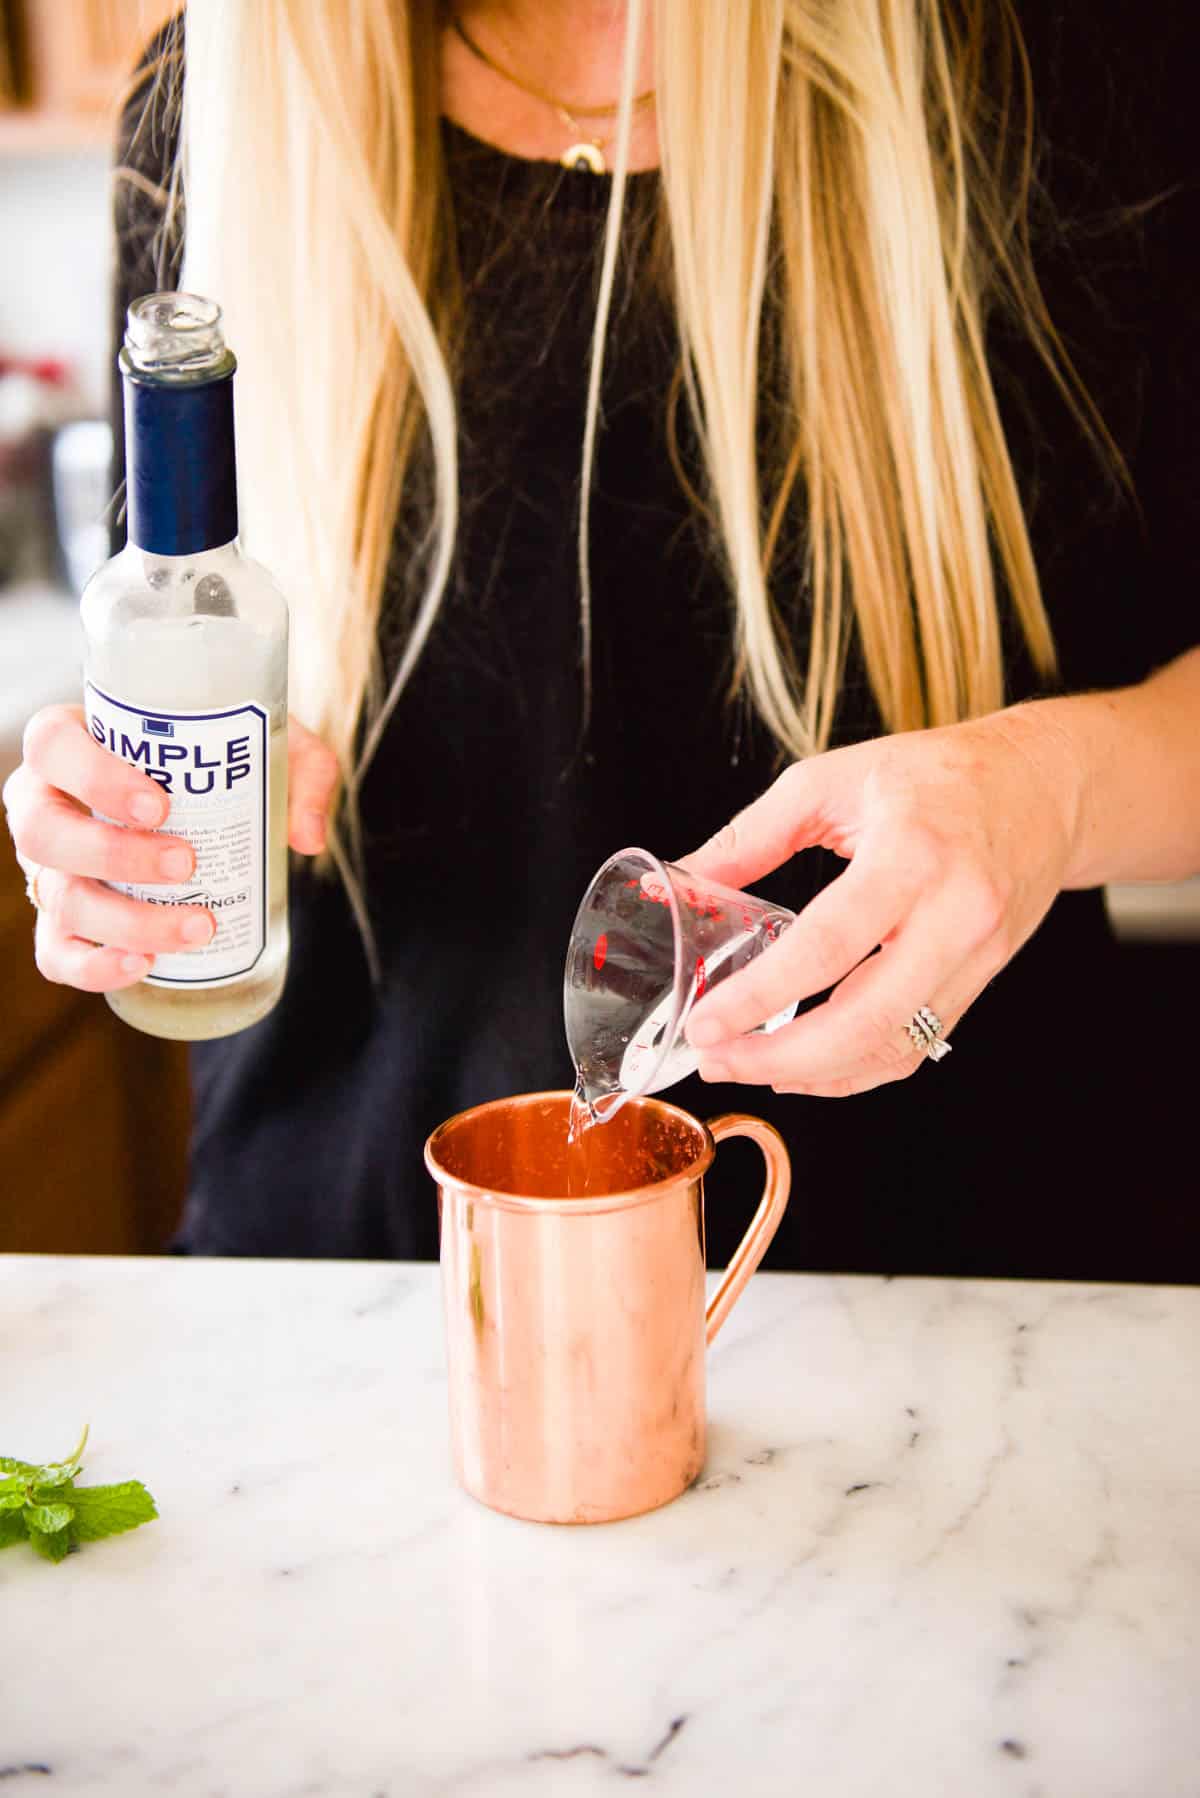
[
  {"x": 788, "y": 817},
  {"x": 312, "y": 776}
]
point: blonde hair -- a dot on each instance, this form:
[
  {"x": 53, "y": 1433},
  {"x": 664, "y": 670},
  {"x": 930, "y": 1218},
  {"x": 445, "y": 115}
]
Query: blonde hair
[{"x": 844, "y": 199}]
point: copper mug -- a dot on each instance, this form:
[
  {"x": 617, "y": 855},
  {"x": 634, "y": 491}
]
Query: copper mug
[{"x": 573, "y": 1289}]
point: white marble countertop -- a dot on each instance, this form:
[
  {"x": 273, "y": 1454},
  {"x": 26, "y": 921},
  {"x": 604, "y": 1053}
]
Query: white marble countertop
[{"x": 947, "y": 1542}]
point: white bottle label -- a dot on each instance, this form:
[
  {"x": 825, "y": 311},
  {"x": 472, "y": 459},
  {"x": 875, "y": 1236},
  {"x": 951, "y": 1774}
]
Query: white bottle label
[{"x": 215, "y": 766}]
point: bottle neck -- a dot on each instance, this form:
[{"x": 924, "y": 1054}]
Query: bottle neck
[{"x": 180, "y": 463}]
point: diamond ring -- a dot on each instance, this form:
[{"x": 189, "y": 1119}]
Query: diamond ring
[{"x": 925, "y": 1031}]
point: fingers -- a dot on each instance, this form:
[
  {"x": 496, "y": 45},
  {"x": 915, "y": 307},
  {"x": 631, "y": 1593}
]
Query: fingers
[
  {"x": 833, "y": 934},
  {"x": 859, "y": 1039},
  {"x": 312, "y": 776},
  {"x": 100, "y": 941},
  {"x": 52, "y": 830},
  {"x": 859, "y": 1032},
  {"x": 84, "y": 908},
  {"x": 61, "y": 752},
  {"x": 69, "y": 961},
  {"x": 791, "y": 815},
  {"x": 904, "y": 1060},
  {"x": 87, "y": 935}
]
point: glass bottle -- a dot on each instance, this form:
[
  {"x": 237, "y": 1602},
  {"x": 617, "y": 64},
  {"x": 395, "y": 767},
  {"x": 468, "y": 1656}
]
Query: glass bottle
[{"x": 185, "y": 672}]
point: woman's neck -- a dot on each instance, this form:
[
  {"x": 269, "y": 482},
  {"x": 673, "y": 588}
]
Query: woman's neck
[{"x": 570, "y": 49}]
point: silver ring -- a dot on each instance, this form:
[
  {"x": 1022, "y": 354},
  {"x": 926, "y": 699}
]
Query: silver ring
[
  {"x": 31, "y": 880},
  {"x": 925, "y": 1031}
]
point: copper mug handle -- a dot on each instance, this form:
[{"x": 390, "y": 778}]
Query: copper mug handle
[{"x": 766, "y": 1219}]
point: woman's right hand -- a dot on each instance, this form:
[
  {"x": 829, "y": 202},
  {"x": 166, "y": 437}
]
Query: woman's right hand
[{"x": 89, "y": 936}]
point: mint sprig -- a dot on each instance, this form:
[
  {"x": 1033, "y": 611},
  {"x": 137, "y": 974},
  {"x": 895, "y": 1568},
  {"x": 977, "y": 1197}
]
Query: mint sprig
[{"x": 44, "y": 1507}]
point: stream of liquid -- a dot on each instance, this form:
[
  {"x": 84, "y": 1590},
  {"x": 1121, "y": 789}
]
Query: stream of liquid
[
  {"x": 583, "y": 1116},
  {"x": 582, "y": 1120}
]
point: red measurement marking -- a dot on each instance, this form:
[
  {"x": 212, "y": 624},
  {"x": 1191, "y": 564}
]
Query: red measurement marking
[
  {"x": 701, "y": 975},
  {"x": 699, "y": 903},
  {"x": 600, "y": 954}
]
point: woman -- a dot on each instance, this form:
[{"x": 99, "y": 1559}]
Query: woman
[{"x": 762, "y": 433}]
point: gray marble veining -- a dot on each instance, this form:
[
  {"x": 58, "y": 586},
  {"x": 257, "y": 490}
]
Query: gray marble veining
[{"x": 947, "y": 1542}]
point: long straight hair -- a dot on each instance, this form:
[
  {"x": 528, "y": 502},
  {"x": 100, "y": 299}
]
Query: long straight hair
[{"x": 844, "y": 200}]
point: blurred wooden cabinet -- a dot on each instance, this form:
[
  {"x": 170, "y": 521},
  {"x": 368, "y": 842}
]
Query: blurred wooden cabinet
[
  {"x": 69, "y": 62},
  {"x": 93, "y": 1116}
]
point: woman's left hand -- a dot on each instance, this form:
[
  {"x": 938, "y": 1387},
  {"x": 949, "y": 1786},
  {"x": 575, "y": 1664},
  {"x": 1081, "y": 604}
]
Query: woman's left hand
[{"x": 957, "y": 841}]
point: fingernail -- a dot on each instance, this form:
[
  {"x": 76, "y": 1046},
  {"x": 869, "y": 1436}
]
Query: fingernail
[
  {"x": 198, "y": 929},
  {"x": 314, "y": 827},
  {"x": 701, "y": 1032},
  {"x": 147, "y": 808},
  {"x": 135, "y": 964},
  {"x": 176, "y": 864}
]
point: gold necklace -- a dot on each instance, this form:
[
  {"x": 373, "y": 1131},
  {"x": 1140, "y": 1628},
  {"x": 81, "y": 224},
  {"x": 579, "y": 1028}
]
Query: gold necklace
[{"x": 586, "y": 152}]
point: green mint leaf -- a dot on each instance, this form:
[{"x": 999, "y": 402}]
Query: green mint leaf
[
  {"x": 34, "y": 1505},
  {"x": 57, "y": 1473},
  {"x": 107, "y": 1510},
  {"x": 48, "y": 1519},
  {"x": 12, "y": 1528},
  {"x": 52, "y": 1546},
  {"x": 49, "y": 1495},
  {"x": 54, "y": 1473}
]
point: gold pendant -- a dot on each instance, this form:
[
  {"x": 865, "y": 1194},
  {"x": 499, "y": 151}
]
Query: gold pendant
[{"x": 586, "y": 157}]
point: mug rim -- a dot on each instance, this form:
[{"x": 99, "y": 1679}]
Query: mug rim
[{"x": 564, "y": 1204}]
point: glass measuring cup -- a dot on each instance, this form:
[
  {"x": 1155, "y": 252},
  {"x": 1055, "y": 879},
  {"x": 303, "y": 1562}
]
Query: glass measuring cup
[{"x": 648, "y": 940}]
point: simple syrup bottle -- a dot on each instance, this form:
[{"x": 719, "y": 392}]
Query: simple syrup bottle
[{"x": 185, "y": 672}]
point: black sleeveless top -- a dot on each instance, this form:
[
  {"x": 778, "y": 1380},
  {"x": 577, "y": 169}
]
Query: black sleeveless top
[{"x": 1053, "y": 1142}]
